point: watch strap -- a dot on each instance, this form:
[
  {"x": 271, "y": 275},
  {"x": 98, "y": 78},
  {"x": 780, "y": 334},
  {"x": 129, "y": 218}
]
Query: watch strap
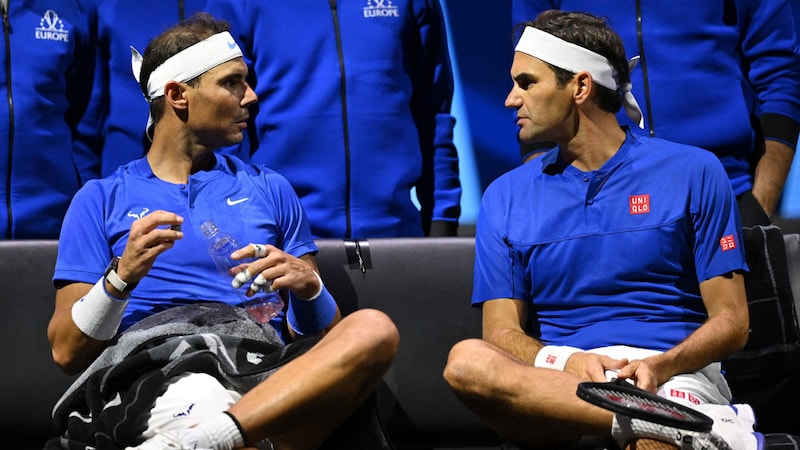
[
  {"x": 117, "y": 282},
  {"x": 114, "y": 279}
]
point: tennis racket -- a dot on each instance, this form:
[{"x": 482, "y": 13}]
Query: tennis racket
[{"x": 624, "y": 398}]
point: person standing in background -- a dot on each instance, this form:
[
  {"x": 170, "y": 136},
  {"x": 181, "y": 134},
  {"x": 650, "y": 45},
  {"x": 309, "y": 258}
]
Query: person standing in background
[
  {"x": 47, "y": 53},
  {"x": 117, "y": 97},
  {"x": 723, "y": 75},
  {"x": 354, "y": 109}
]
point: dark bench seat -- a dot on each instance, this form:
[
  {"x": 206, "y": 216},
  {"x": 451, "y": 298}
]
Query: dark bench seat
[{"x": 424, "y": 284}]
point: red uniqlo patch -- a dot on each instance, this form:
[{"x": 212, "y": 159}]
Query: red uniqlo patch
[
  {"x": 674, "y": 393},
  {"x": 677, "y": 394},
  {"x": 727, "y": 243},
  {"x": 551, "y": 359},
  {"x": 640, "y": 204}
]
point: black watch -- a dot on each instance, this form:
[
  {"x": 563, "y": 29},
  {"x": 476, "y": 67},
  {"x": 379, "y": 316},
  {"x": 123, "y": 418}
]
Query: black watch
[{"x": 114, "y": 279}]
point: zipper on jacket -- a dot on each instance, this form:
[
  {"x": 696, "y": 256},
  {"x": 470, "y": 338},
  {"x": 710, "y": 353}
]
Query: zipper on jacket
[
  {"x": 181, "y": 9},
  {"x": 643, "y": 68},
  {"x": 346, "y": 128},
  {"x": 10, "y": 97}
]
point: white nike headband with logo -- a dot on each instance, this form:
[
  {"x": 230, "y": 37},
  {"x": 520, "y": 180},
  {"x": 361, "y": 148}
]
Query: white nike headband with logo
[
  {"x": 186, "y": 65},
  {"x": 574, "y": 58}
]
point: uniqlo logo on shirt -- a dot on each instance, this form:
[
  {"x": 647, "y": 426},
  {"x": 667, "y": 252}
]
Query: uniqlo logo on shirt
[
  {"x": 640, "y": 204},
  {"x": 727, "y": 243},
  {"x": 551, "y": 359}
]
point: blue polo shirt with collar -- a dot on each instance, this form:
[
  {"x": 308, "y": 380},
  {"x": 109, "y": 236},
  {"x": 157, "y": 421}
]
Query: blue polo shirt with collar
[
  {"x": 252, "y": 203},
  {"x": 613, "y": 256}
]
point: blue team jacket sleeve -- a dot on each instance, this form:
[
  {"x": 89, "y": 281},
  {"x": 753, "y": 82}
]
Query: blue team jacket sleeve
[
  {"x": 772, "y": 64},
  {"x": 81, "y": 113},
  {"x": 439, "y": 188},
  {"x": 91, "y": 134}
]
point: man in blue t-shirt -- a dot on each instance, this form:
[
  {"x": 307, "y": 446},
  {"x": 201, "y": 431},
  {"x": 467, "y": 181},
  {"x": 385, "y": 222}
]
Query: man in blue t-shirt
[
  {"x": 169, "y": 361},
  {"x": 611, "y": 256}
]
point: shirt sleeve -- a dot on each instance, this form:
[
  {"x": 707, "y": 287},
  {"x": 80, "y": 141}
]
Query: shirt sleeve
[
  {"x": 296, "y": 230},
  {"x": 498, "y": 273},
  {"x": 718, "y": 245},
  {"x": 83, "y": 248}
]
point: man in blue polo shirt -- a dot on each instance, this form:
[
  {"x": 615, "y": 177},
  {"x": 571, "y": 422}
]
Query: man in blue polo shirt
[
  {"x": 611, "y": 256},
  {"x": 168, "y": 359}
]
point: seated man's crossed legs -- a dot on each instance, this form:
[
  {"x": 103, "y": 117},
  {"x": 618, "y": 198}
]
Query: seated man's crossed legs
[{"x": 296, "y": 407}]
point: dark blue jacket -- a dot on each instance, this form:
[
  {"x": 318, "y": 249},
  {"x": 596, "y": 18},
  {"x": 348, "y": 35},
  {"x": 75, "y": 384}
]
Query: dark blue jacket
[
  {"x": 47, "y": 64},
  {"x": 354, "y": 109}
]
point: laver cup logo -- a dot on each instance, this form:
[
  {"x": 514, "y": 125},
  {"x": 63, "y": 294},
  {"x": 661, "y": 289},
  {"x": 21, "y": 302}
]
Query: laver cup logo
[
  {"x": 51, "y": 28},
  {"x": 640, "y": 204},
  {"x": 380, "y": 8}
]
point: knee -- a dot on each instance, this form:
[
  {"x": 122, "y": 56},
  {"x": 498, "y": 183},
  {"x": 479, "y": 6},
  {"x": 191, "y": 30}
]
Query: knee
[{"x": 374, "y": 334}]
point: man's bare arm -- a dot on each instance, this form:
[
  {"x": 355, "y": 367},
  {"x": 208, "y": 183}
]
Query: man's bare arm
[{"x": 724, "y": 333}]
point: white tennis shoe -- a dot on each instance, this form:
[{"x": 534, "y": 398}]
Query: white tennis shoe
[
  {"x": 169, "y": 440},
  {"x": 735, "y": 423}
]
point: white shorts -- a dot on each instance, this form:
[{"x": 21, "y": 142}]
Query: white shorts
[
  {"x": 189, "y": 398},
  {"x": 706, "y": 386}
]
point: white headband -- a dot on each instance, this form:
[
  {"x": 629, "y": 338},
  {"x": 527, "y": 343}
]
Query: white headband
[
  {"x": 186, "y": 65},
  {"x": 189, "y": 63},
  {"x": 574, "y": 58}
]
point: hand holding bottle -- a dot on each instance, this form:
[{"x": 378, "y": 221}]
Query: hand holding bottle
[
  {"x": 222, "y": 247},
  {"x": 279, "y": 270}
]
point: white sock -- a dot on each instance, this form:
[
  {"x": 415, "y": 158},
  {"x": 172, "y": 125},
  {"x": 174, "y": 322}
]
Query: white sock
[{"x": 220, "y": 432}]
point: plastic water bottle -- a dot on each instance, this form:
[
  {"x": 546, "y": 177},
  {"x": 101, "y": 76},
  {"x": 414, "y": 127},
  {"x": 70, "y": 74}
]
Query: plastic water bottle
[{"x": 262, "y": 306}]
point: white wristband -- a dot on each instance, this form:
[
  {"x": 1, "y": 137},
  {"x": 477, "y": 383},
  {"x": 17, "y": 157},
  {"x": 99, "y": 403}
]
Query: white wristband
[
  {"x": 554, "y": 356},
  {"x": 98, "y": 314}
]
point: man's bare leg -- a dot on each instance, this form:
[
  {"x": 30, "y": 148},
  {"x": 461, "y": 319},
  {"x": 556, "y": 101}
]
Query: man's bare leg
[
  {"x": 531, "y": 407},
  {"x": 305, "y": 400}
]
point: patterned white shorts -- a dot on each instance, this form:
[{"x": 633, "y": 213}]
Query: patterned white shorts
[
  {"x": 704, "y": 386},
  {"x": 188, "y": 399}
]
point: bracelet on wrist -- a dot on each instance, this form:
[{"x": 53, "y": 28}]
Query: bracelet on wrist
[{"x": 554, "y": 356}]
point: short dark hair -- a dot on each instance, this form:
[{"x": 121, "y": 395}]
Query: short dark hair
[
  {"x": 175, "y": 39},
  {"x": 592, "y": 33}
]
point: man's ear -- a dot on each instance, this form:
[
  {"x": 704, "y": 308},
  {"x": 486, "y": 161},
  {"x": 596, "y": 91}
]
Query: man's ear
[
  {"x": 174, "y": 93},
  {"x": 584, "y": 85}
]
